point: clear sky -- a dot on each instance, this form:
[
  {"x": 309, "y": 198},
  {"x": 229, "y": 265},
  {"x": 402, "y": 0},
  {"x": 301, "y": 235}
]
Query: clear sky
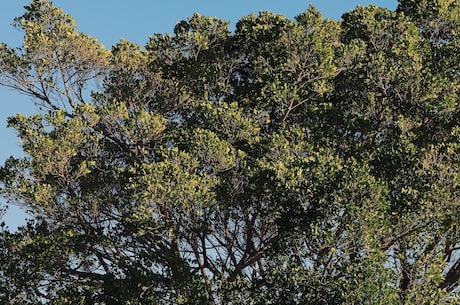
[{"x": 136, "y": 20}]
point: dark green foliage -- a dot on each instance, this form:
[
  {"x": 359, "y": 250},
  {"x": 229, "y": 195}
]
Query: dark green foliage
[{"x": 302, "y": 161}]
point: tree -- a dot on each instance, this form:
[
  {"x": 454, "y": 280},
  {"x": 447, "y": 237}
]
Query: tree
[
  {"x": 401, "y": 119},
  {"x": 303, "y": 161}
]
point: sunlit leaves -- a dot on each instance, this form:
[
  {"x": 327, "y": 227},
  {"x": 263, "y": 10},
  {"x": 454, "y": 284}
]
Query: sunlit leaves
[
  {"x": 302, "y": 161},
  {"x": 56, "y": 64},
  {"x": 291, "y": 64}
]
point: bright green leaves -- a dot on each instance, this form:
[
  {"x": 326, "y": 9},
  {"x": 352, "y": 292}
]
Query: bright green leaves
[
  {"x": 201, "y": 32},
  {"x": 396, "y": 115},
  {"x": 297, "y": 161},
  {"x": 296, "y": 164},
  {"x": 398, "y": 76},
  {"x": 231, "y": 123},
  {"x": 58, "y": 158},
  {"x": 10, "y": 61},
  {"x": 215, "y": 155},
  {"x": 438, "y": 23},
  {"x": 132, "y": 127},
  {"x": 198, "y": 48},
  {"x": 135, "y": 83},
  {"x": 438, "y": 20},
  {"x": 292, "y": 64},
  {"x": 175, "y": 185},
  {"x": 391, "y": 71},
  {"x": 56, "y": 63}
]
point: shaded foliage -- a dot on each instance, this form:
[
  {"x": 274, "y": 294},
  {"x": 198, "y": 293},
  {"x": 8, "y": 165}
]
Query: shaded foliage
[{"x": 304, "y": 161}]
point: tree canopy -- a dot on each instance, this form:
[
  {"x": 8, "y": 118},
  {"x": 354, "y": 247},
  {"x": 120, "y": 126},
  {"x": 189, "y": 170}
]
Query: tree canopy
[{"x": 305, "y": 161}]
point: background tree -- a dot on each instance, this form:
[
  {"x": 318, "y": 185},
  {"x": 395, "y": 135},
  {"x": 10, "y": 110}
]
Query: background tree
[{"x": 302, "y": 161}]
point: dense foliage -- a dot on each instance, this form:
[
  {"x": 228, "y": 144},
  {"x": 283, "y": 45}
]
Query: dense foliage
[{"x": 288, "y": 162}]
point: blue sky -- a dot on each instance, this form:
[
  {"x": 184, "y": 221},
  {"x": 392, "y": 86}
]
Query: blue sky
[{"x": 136, "y": 20}]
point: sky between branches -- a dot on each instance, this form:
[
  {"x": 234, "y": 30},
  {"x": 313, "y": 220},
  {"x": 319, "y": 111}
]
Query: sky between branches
[{"x": 109, "y": 21}]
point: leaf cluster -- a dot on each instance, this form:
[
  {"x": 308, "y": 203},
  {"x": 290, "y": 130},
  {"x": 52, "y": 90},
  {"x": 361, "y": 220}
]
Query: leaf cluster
[{"x": 304, "y": 161}]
